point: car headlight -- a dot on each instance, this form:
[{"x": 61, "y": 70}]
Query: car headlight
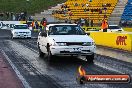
[
  {"x": 87, "y": 44},
  {"x": 54, "y": 44},
  {"x": 61, "y": 44},
  {"x": 58, "y": 44},
  {"x": 15, "y": 32},
  {"x": 27, "y": 32},
  {"x": 93, "y": 43}
]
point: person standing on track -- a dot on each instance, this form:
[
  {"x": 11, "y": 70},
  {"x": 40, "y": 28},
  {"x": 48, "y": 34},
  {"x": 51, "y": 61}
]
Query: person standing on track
[
  {"x": 104, "y": 25},
  {"x": 33, "y": 25},
  {"x": 44, "y": 23}
]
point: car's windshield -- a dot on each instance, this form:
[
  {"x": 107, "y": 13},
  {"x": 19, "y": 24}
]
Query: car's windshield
[
  {"x": 113, "y": 27},
  {"x": 20, "y": 27},
  {"x": 66, "y": 30}
]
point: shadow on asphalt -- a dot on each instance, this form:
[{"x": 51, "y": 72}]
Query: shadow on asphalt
[{"x": 66, "y": 61}]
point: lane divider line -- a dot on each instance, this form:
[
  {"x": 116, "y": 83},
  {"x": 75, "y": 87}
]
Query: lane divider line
[{"x": 22, "y": 79}]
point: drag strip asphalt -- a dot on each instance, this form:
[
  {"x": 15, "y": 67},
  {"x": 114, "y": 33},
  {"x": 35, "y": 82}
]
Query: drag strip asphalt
[{"x": 62, "y": 72}]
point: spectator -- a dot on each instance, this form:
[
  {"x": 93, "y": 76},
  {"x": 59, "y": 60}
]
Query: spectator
[
  {"x": 70, "y": 13},
  {"x": 17, "y": 16},
  {"x": 87, "y": 4},
  {"x": 13, "y": 17},
  {"x": 104, "y": 25},
  {"x": 90, "y": 0},
  {"x": 33, "y": 24},
  {"x": 100, "y": 11},
  {"x": 29, "y": 18},
  {"x": 82, "y": 22},
  {"x": 1, "y": 16},
  {"x": 83, "y": 4},
  {"x": 7, "y": 15},
  {"x": 44, "y": 23},
  {"x": 75, "y": 4},
  {"x": 79, "y": 22},
  {"x": 62, "y": 6},
  {"x": 85, "y": 10},
  {"x": 36, "y": 25},
  {"x": 44, "y": 19},
  {"x": 87, "y": 22}
]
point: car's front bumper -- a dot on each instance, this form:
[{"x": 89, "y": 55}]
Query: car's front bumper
[
  {"x": 22, "y": 36},
  {"x": 72, "y": 50}
]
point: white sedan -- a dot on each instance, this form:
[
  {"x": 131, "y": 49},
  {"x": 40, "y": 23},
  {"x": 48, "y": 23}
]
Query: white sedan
[
  {"x": 114, "y": 28},
  {"x": 20, "y": 31},
  {"x": 65, "y": 40}
]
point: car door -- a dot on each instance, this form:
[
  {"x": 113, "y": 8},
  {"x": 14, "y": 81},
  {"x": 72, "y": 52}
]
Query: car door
[
  {"x": 43, "y": 42},
  {"x": 39, "y": 40}
]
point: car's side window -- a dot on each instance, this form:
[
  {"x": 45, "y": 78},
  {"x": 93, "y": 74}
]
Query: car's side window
[
  {"x": 53, "y": 30},
  {"x": 41, "y": 33}
]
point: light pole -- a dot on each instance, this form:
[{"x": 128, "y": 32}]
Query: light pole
[{"x": 27, "y": 3}]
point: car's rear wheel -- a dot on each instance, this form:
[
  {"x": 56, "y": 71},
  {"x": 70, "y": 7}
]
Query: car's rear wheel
[
  {"x": 12, "y": 36},
  {"x": 50, "y": 56},
  {"x": 41, "y": 54},
  {"x": 90, "y": 58}
]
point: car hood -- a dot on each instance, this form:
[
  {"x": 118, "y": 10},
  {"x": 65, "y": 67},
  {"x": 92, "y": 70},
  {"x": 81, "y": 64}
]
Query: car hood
[
  {"x": 20, "y": 30},
  {"x": 71, "y": 38}
]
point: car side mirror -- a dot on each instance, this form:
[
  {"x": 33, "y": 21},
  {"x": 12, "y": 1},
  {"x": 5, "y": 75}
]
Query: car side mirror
[
  {"x": 88, "y": 33},
  {"x": 43, "y": 34}
]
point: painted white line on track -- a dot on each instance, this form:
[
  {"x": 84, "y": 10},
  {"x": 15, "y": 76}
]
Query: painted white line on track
[{"x": 23, "y": 80}]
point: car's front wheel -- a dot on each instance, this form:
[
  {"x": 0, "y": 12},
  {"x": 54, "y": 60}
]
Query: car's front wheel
[
  {"x": 90, "y": 58},
  {"x": 41, "y": 54},
  {"x": 50, "y": 56},
  {"x": 12, "y": 36}
]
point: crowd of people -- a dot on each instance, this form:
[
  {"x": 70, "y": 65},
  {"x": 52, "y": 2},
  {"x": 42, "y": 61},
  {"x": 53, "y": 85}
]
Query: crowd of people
[
  {"x": 65, "y": 8},
  {"x": 66, "y": 11},
  {"x": 11, "y": 16},
  {"x": 38, "y": 24}
]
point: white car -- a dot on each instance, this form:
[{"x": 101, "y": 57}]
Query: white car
[
  {"x": 114, "y": 28},
  {"x": 20, "y": 31},
  {"x": 65, "y": 40}
]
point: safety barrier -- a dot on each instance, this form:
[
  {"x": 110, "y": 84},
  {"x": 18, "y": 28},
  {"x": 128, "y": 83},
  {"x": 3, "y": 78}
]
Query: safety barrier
[
  {"x": 10, "y": 24},
  {"x": 87, "y": 29},
  {"x": 128, "y": 29},
  {"x": 114, "y": 40}
]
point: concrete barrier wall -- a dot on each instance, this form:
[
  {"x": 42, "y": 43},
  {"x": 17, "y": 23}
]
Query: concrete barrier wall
[
  {"x": 9, "y": 24},
  {"x": 114, "y": 40},
  {"x": 128, "y": 29}
]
